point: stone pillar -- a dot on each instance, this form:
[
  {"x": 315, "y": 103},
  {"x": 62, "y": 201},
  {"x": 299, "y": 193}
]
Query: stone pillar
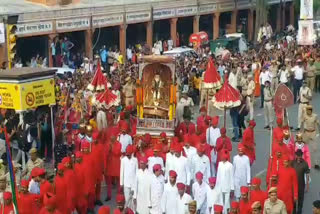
[
  {"x": 234, "y": 21},
  {"x": 149, "y": 26},
  {"x": 216, "y": 26},
  {"x": 88, "y": 43},
  {"x": 122, "y": 40},
  {"x": 292, "y": 14},
  {"x": 278, "y": 23},
  {"x": 196, "y": 24},
  {"x": 51, "y": 38},
  {"x": 173, "y": 30},
  {"x": 250, "y": 24}
]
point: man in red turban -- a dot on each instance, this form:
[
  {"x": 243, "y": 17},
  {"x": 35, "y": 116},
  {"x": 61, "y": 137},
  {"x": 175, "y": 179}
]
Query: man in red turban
[
  {"x": 274, "y": 165},
  {"x": 50, "y": 204},
  {"x": 202, "y": 117},
  {"x": 45, "y": 185},
  {"x": 223, "y": 143},
  {"x": 234, "y": 207},
  {"x": 60, "y": 187},
  {"x": 277, "y": 130},
  {"x": 70, "y": 180},
  {"x": 81, "y": 200},
  {"x": 25, "y": 199},
  {"x": 256, "y": 194},
  {"x": 7, "y": 206},
  {"x": 244, "y": 204},
  {"x": 248, "y": 141}
]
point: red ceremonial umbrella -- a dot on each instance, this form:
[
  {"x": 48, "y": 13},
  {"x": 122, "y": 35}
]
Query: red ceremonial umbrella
[
  {"x": 107, "y": 99},
  {"x": 99, "y": 81},
  {"x": 211, "y": 78},
  {"x": 226, "y": 97}
]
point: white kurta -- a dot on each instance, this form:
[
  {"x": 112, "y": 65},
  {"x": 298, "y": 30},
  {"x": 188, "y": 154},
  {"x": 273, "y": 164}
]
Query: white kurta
[
  {"x": 181, "y": 166},
  {"x": 212, "y": 134},
  {"x": 156, "y": 191},
  {"x": 128, "y": 171},
  {"x": 225, "y": 182},
  {"x": 241, "y": 167},
  {"x": 190, "y": 152},
  {"x": 170, "y": 159},
  {"x": 125, "y": 141},
  {"x": 153, "y": 161},
  {"x": 201, "y": 164},
  {"x": 142, "y": 191},
  {"x": 214, "y": 196},
  {"x": 199, "y": 193},
  {"x": 169, "y": 199},
  {"x": 182, "y": 204}
]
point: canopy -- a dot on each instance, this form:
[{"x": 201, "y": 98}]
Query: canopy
[
  {"x": 106, "y": 99},
  {"x": 226, "y": 97},
  {"x": 99, "y": 81},
  {"x": 199, "y": 38},
  {"x": 211, "y": 76}
]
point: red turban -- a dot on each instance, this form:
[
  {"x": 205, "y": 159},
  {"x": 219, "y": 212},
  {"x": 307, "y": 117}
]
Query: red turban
[
  {"x": 177, "y": 148},
  {"x": 163, "y": 135},
  {"x": 24, "y": 183},
  {"x": 252, "y": 123},
  {"x": 218, "y": 208},
  {"x": 35, "y": 172},
  {"x": 147, "y": 138},
  {"x": 215, "y": 120},
  {"x": 181, "y": 186},
  {"x": 256, "y": 181},
  {"x": 104, "y": 210},
  {"x": 223, "y": 130},
  {"x": 240, "y": 147},
  {"x": 7, "y": 195},
  {"x": 200, "y": 148},
  {"x": 129, "y": 150},
  {"x": 120, "y": 198},
  {"x": 41, "y": 171},
  {"x": 212, "y": 180},
  {"x": 172, "y": 173},
  {"x": 144, "y": 160},
  {"x": 244, "y": 190},
  {"x": 156, "y": 167},
  {"x": 199, "y": 175},
  {"x": 234, "y": 205},
  {"x": 61, "y": 167},
  {"x": 124, "y": 127}
]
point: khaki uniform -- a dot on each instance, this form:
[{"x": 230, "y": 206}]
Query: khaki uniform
[
  {"x": 250, "y": 97},
  {"x": 274, "y": 80},
  {"x": 274, "y": 208},
  {"x": 311, "y": 78},
  {"x": 310, "y": 126},
  {"x": 128, "y": 91},
  {"x": 32, "y": 164},
  {"x": 268, "y": 112},
  {"x": 303, "y": 103},
  {"x": 244, "y": 85}
]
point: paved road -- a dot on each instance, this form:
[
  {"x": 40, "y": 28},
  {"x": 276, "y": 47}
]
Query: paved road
[{"x": 262, "y": 151}]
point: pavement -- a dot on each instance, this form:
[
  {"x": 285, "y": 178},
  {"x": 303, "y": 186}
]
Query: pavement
[{"x": 262, "y": 138}]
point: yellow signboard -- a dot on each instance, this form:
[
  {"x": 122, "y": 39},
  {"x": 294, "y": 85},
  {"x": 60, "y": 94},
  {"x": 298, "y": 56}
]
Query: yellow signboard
[{"x": 23, "y": 96}]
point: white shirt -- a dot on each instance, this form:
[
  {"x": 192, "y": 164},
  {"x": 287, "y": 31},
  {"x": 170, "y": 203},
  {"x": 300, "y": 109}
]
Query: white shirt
[
  {"x": 212, "y": 135},
  {"x": 34, "y": 187},
  {"x": 284, "y": 75},
  {"x": 157, "y": 185},
  {"x": 199, "y": 193},
  {"x": 125, "y": 140},
  {"x": 233, "y": 80},
  {"x": 190, "y": 152},
  {"x": 225, "y": 179},
  {"x": 155, "y": 160},
  {"x": 182, "y": 203},
  {"x": 214, "y": 197},
  {"x": 169, "y": 199},
  {"x": 201, "y": 164},
  {"x": 298, "y": 72},
  {"x": 129, "y": 53},
  {"x": 241, "y": 167},
  {"x": 181, "y": 167},
  {"x": 264, "y": 76},
  {"x": 142, "y": 191},
  {"x": 128, "y": 171},
  {"x": 170, "y": 159}
]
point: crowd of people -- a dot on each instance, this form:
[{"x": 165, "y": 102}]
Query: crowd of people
[{"x": 192, "y": 172}]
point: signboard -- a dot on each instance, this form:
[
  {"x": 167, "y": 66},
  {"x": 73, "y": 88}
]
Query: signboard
[
  {"x": 227, "y": 6},
  {"x": 138, "y": 17},
  {"x": 306, "y": 9},
  {"x": 34, "y": 28},
  {"x": 70, "y": 24},
  {"x": 23, "y": 96},
  {"x": 107, "y": 20},
  {"x": 2, "y": 34},
  {"x": 163, "y": 13},
  {"x": 306, "y": 32},
  {"x": 209, "y": 8},
  {"x": 186, "y": 11}
]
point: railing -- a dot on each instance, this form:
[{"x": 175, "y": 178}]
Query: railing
[{"x": 150, "y": 123}]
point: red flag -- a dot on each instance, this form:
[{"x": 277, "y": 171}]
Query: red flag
[{"x": 283, "y": 97}]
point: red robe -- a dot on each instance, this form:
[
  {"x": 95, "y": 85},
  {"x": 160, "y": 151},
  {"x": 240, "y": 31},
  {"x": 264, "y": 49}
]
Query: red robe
[
  {"x": 258, "y": 195},
  {"x": 184, "y": 129},
  {"x": 61, "y": 193},
  {"x": 45, "y": 211},
  {"x": 222, "y": 145},
  {"x": 274, "y": 165},
  {"x": 45, "y": 187},
  {"x": 7, "y": 209},
  {"x": 25, "y": 202},
  {"x": 81, "y": 202},
  {"x": 288, "y": 187},
  {"x": 90, "y": 178},
  {"x": 248, "y": 142},
  {"x": 283, "y": 148},
  {"x": 113, "y": 163},
  {"x": 277, "y": 131},
  {"x": 201, "y": 121},
  {"x": 244, "y": 207},
  {"x": 71, "y": 182}
]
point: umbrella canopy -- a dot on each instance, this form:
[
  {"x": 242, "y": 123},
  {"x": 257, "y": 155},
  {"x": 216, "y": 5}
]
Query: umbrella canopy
[
  {"x": 106, "y": 99},
  {"x": 226, "y": 97},
  {"x": 211, "y": 76},
  {"x": 99, "y": 81}
]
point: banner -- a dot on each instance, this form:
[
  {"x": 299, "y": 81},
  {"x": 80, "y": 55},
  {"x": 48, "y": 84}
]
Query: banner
[
  {"x": 306, "y": 9},
  {"x": 23, "y": 96},
  {"x": 305, "y": 32}
]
